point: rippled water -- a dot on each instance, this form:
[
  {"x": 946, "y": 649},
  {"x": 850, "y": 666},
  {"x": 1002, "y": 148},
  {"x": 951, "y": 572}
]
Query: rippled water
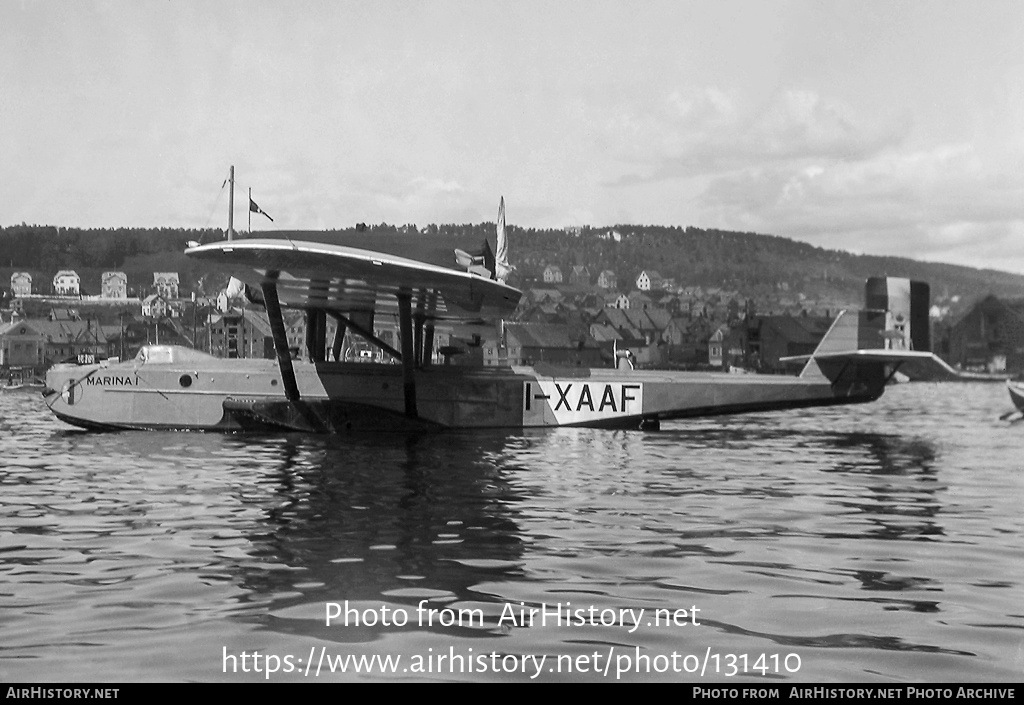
[{"x": 877, "y": 543}]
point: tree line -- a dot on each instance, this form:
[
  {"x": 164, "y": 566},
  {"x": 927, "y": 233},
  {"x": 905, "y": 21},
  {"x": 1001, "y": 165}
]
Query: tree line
[{"x": 747, "y": 262}]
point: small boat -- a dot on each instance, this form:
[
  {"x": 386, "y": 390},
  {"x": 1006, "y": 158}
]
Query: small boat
[
  {"x": 1016, "y": 389},
  {"x": 16, "y": 379}
]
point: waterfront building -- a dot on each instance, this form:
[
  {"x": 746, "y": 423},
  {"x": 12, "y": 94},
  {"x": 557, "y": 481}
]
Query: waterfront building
[
  {"x": 989, "y": 337},
  {"x": 21, "y": 345},
  {"x": 532, "y": 343},
  {"x": 241, "y": 333}
]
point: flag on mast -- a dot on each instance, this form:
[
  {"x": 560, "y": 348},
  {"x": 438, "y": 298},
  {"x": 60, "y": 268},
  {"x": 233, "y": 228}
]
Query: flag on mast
[{"x": 253, "y": 208}]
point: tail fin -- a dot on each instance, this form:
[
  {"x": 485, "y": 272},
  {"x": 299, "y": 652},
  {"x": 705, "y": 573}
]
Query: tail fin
[
  {"x": 895, "y": 317},
  {"x": 891, "y": 334},
  {"x": 841, "y": 337}
]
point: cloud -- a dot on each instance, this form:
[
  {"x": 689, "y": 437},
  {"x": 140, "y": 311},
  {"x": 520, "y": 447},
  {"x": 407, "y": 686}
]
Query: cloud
[
  {"x": 421, "y": 198},
  {"x": 935, "y": 186},
  {"x": 422, "y": 186},
  {"x": 807, "y": 166},
  {"x": 710, "y": 131},
  {"x": 942, "y": 203}
]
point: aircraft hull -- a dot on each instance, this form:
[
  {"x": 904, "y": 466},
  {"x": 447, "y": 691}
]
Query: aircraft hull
[{"x": 211, "y": 394}]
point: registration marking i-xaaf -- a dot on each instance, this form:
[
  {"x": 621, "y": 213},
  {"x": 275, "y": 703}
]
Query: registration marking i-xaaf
[{"x": 547, "y": 402}]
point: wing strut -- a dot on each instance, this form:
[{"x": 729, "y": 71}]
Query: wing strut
[
  {"x": 316, "y": 321},
  {"x": 408, "y": 355},
  {"x": 344, "y": 323},
  {"x": 309, "y": 419},
  {"x": 425, "y": 329},
  {"x": 417, "y": 337},
  {"x": 339, "y": 339},
  {"x": 284, "y": 357},
  {"x": 427, "y": 353},
  {"x": 316, "y": 334}
]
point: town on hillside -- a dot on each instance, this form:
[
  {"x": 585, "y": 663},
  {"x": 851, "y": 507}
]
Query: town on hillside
[{"x": 574, "y": 318}]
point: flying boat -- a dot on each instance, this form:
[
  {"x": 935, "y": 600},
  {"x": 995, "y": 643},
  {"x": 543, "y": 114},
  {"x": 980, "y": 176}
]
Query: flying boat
[{"x": 171, "y": 387}]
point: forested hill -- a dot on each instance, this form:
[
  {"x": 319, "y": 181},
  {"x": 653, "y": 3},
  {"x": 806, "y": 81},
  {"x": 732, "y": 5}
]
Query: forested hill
[{"x": 751, "y": 264}]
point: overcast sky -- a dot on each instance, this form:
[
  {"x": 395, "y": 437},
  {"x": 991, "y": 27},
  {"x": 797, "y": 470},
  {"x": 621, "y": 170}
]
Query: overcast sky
[{"x": 881, "y": 127}]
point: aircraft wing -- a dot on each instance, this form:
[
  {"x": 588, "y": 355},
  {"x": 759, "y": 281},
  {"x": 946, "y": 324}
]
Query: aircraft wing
[
  {"x": 350, "y": 280},
  {"x": 915, "y": 364}
]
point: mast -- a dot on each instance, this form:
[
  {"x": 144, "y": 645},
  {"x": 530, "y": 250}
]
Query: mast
[{"x": 231, "y": 205}]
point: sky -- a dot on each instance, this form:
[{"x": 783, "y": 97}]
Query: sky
[{"x": 880, "y": 127}]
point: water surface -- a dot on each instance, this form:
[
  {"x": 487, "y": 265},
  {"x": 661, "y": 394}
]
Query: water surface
[{"x": 875, "y": 543}]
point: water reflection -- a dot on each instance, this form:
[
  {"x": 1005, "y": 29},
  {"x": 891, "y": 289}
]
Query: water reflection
[{"x": 371, "y": 520}]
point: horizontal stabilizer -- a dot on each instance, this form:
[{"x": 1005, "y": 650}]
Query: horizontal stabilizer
[
  {"x": 866, "y": 338},
  {"x": 915, "y": 364}
]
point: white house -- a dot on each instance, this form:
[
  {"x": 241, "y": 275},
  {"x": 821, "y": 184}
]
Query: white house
[
  {"x": 648, "y": 280},
  {"x": 154, "y": 306},
  {"x": 114, "y": 285},
  {"x": 716, "y": 344},
  {"x": 66, "y": 282},
  {"x": 21, "y": 284},
  {"x": 166, "y": 284},
  {"x": 553, "y": 274}
]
